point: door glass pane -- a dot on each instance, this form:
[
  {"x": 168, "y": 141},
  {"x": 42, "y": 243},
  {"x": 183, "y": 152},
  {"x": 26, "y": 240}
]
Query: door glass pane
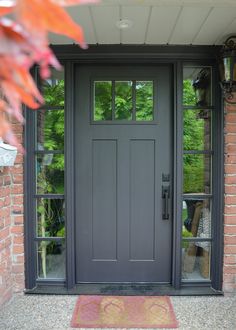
[
  {"x": 50, "y": 217},
  {"x": 123, "y": 100},
  {"x": 51, "y": 259},
  {"x": 103, "y": 100},
  {"x": 196, "y": 260},
  {"x": 53, "y": 89},
  {"x": 50, "y": 173},
  {"x": 196, "y": 218},
  {"x": 197, "y": 173},
  {"x": 144, "y": 100},
  {"x": 197, "y": 86},
  {"x": 50, "y": 129},
  {"x": 197, "y": 129}
]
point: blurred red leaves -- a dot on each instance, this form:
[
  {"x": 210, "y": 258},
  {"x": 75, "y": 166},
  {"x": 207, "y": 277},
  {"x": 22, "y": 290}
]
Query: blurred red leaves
[{"x": 23, "y": 43}]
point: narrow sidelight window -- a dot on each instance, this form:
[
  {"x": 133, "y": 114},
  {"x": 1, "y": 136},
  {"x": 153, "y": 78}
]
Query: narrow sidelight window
[
  {"x": 49, "y": 181},
  {"x": 197, "y": 173}
]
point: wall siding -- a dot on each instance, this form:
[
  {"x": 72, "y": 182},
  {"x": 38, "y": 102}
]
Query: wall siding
[
  {"x": 229, "y": 267},
  {"x": 11, "y": 226}
]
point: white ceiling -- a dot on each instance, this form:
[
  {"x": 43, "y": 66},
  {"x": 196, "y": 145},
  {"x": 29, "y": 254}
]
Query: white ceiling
[{"x": 175, "y": 22}]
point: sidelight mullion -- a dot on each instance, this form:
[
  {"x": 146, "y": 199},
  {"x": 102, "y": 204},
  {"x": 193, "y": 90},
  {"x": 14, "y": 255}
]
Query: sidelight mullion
[
  {"x": 46, "y": 152},
  {"x": 198, "y": 152},
  {"x": 52, "y": 107},
  {"x": 113, "y": 100},
  {"x": 134, "y": 100}
]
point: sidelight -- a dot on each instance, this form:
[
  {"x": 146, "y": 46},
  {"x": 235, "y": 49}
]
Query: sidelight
[
  {"x": 197, "y": 173},
  {"x": 49, "y": 204}
]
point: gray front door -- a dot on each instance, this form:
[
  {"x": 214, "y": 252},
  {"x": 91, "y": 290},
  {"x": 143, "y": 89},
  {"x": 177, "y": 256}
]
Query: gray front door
[{"x": 123, "y": 159}]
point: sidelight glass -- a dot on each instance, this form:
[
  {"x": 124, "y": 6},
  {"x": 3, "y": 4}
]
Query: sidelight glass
[
  {"x": 197, "y": 129},
  {"x": 196, "y": 218},
  {"x": 102, "y": 100},
  {"x": 197, "y": 86},
  {"x": 144, "y": 100},
  {"x": 197, "y": 173},
  {"x": 50, "y": 129},
  {"x": 50, "y": 217},
  {"x": 123, "y": 100},
  {"x": 196, "y": 257},
  {"x": 53, "y": 89},
  {"x": 51, "y": 259},
  {"x": 50, "y": 173}
]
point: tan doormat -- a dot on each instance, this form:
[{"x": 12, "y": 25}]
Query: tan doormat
[{"x": 124, "y": 312}]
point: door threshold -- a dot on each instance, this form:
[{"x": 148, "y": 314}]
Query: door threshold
[{"x": 130, "y": 289}]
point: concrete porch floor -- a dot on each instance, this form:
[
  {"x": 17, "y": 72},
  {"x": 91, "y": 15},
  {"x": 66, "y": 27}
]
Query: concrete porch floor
[{"x": 42, "y": 312}]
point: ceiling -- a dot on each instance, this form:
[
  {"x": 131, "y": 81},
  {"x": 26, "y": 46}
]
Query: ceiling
[{"x": 155, "y": 22}]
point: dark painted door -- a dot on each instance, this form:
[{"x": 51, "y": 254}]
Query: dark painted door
[{"x": 123, "y": 148}]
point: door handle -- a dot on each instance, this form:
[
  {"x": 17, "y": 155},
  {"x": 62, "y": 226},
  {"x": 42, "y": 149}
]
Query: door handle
[{"x": 165, "y": 202}]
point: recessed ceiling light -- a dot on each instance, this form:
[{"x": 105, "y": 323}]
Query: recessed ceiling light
[{"x": 124, "y": 24}]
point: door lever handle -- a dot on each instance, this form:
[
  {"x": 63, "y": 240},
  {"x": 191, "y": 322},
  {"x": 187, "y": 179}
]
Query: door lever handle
[{"x": 165, "y": 201}]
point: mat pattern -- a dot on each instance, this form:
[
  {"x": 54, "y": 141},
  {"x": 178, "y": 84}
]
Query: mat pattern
[{"x": 123, "y": 312}]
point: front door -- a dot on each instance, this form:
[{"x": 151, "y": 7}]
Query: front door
[{"x": 123, "y": 173}]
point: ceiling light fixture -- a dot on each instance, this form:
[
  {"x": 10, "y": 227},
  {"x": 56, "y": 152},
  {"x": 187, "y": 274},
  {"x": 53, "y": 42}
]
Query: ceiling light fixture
[{"x": 124, "y": 24}]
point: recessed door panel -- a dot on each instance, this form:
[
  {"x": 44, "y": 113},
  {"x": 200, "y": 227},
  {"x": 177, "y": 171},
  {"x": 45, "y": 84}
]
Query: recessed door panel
[{"x": 123, "y": 148}]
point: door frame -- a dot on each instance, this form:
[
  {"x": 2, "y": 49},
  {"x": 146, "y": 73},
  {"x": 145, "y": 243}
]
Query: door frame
[{"x": 151, "y": 55}]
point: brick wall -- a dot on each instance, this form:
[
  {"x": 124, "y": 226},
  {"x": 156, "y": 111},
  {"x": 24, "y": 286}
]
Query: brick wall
[
  {"x": 11, "y": 227},
  {"x": 229, "y": 272}
]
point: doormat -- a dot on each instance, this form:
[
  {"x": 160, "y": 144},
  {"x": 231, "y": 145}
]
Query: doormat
[{"x": 124, "y": 312}]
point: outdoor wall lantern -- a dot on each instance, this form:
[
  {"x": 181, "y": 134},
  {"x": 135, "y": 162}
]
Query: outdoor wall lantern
[
  {"x": 228, "y": 68},
  {"x": 7, "y": 154}
]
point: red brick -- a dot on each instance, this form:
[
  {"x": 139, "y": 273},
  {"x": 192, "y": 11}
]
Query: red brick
[
  {"x": 18, "y": 269},
  {"x": 17, "y": 189},
  {"x": 229, "y": 260},
  {"x": 231, "y": 230},
  {"x": 20, "y": 259},
  {"x": 230, "y": 219},
  {"x": 17, "y": 169},
  {"x": 230, "y": 269},
  {"x": 230, "y": 128},
  {"x": 7, "y": 220},
  {"x": 230, "y": 148},
  {"x": 230, "y": 107},
  {"x": 230, "y": 118},
  {"x": 230, "y": 209},
  {"x": 4, "y": 233},
  {"x": 18, "y": 200},
  {"x": 230, "y": 159},
  {"x": 18, "y": 239},
  {"x": 7, "y": 180},
  {"x": 18, "y": 178},
  {"x": 17, "y": 209},
  {"x": 4, "y": 191},
  {"x": 230, "y": 179},
  {"x": 17, "y": 230},
  {"x": 230, "y": 239},
  {"x": 230, "y": 200},
  {"x": 230, "y": 169},
  {"x": 18, "y": 219},
  {"x": 7, "y": 201},
  {"x": 230, "y": 249},
  {"x": 230, "y": 138},
  {"x": 18, "y": 249},
  {"x": 230, "y": 189},
  {"x": 1, "y": 202}
]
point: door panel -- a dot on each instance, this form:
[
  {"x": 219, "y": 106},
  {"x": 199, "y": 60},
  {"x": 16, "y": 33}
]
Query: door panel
[
  {"x": 104, "y": 196},
  {"x": 120, "y": 233},
  {"x": 142, "y": 199}
]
